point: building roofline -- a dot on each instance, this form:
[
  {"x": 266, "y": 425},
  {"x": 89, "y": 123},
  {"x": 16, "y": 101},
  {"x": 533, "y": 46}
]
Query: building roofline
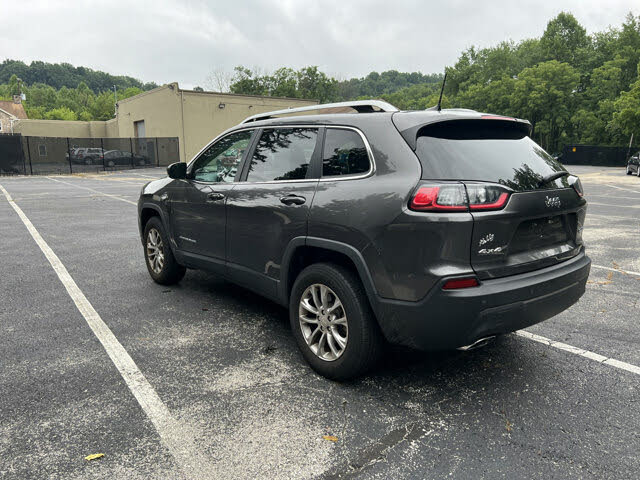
[
  {"x": 264, "y": 97},
  {"x": 175, "y": 86},
  {"x": 11, "y": 114}
]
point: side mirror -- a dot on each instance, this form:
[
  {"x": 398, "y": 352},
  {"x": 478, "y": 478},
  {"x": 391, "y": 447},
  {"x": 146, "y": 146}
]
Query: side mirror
[{"x": 177, "y": 170}]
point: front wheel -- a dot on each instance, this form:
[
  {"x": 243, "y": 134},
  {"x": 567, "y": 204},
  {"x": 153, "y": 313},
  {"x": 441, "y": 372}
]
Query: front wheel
[
  {"x": 333, "y": 323},
  {"x": 628, "y": 170},
  {"x": 161, "y": 263}
]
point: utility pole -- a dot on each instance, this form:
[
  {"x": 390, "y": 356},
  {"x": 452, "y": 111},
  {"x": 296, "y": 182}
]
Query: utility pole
[{"x": 115, "y": 102}]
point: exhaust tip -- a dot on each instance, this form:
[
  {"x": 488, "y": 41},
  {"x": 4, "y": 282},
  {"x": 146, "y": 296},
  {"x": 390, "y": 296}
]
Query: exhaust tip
[{"x": 477, "y": 344}]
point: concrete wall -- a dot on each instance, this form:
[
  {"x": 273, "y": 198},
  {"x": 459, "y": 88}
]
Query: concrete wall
[
  {"x": 194, "y": 117},
  {"x": 60, "y": 128},
  {"x": 5, "y": 122},
  {"x": 207, "y": 114}
]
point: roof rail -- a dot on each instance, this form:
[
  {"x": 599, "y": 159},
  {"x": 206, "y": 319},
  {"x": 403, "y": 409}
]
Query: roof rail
[{"x": 361, "y": 106}]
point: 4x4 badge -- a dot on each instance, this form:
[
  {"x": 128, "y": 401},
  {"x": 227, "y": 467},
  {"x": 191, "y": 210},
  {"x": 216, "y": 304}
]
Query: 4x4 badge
[{"x": 552, "y": 202}]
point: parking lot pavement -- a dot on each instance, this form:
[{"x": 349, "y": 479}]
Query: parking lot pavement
[{"x": 225, "y": 368}]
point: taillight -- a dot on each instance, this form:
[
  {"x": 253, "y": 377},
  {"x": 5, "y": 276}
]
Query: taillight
[
  {"x": 486, "y": 197},
  {"x": 577, "y": 185},
  {"x": 458, "y": 283},
  {"x": 458, "y": 197},
  {"x": 441, "y": 198}
]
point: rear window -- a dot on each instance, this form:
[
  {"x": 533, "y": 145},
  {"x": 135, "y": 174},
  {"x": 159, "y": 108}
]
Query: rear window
[
  {"x": 485, "y": 150},
  {"x": 344, "y": 153}
]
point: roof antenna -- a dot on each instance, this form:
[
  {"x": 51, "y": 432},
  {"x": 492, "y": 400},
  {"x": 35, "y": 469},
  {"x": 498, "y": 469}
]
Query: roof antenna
[{"x": 444, "y": 80}]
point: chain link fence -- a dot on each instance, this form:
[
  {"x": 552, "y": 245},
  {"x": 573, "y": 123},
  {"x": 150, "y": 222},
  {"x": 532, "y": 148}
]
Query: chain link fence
[{"x": 26, "y": 155}]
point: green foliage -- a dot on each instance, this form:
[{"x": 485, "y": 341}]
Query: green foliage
[
  {"x": 60, "y": 75},
  {"x": 61, "y": 113},
  {"x": 307, "y": 82},
  {"x": 14, "y": 86},
  {"x": 311, "y": 83},
  {"x": 626, "y": 113}
]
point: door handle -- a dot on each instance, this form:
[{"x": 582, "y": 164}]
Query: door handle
[
  {"x": 212, "y": 197},
  {"x": 292, "y": 199}
]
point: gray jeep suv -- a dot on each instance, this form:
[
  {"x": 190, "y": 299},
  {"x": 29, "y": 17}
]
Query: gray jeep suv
[{"x": 432, "y": 229}]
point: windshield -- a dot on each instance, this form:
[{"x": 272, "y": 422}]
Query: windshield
[{"x": 498, "y": 155}]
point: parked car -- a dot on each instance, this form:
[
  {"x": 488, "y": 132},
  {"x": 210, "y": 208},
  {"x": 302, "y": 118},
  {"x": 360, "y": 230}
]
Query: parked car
[
  {"x": 431, "y": 229},
  {"x": 86, "y": 155},
  {"x": 633, "y": 166},
  {"x": 121, "y": 157}
]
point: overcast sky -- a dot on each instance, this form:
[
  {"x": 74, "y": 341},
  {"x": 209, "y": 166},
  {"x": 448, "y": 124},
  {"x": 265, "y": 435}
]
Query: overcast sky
[{"x": 165, "y": 40}]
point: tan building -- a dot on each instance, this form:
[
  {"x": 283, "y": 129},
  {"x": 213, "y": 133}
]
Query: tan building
[
  {"x": 10, "y": 113},
  {"x": 167, "y": 111}
]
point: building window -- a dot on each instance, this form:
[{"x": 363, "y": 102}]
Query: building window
[{"x": 42, "y": 150}]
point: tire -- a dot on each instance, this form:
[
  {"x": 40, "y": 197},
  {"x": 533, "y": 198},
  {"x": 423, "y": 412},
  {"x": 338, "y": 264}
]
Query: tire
[
  {"x": 628, "y": 170},
  {"x": 638, "y": 171},
  {"x": 359, "y": 330},
  {"x": 162, "y": 266}
]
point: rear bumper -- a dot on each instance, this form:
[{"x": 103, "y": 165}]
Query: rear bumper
[{"x": 448, "y": 319}]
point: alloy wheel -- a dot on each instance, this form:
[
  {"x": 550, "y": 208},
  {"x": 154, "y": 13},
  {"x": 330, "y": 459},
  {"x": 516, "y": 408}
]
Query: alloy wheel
[
  {"x": 155, "y": 251},
  {"x": 323, "y": 322}
]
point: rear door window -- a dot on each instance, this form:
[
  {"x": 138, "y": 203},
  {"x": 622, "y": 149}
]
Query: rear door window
[
  {"x": 487, "y": 151},
  {"x": 282, "y": 154},
  {"x": 344, "y": 153}
]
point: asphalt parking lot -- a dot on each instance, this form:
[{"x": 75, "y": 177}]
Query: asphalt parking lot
[{"x": 230, "y": 396}]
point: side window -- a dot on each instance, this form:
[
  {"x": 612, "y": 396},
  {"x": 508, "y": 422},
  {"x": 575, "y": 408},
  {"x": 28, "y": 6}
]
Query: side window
[
  {"x": 219, "y": 163},
  {"x": 282, "y": 154},
  {"x": 344, "y": 153}
]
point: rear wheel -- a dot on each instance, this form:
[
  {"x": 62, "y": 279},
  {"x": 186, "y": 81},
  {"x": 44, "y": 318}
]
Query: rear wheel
[
  {"x": 332, "y": 322},
  {"x": 638, "y": 170},
  {"x": 161, "y": 263}
]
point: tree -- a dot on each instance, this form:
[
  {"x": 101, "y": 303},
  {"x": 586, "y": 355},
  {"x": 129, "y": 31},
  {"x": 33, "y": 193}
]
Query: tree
[
  {"x": 565, "y": 40},
  {"x": 61, "y": 113},
  {"x": 219, "y": 80},
  {"x": 14, "y": 86},
  {"x": 545, "y": 95},
  {"x": 626, "y": 115},
  {"x": 247, "y": 82}
]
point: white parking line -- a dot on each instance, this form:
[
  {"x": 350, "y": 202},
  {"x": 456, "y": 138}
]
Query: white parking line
[
  {"x": 177, "y": 440},
  {"x": 612, "y": 362},
  {"x": 117, "y": 197},
  {"x": 628, "y": 272},
  {"x": 143, "y": 176},
  {"x": 621, "y": 188}
]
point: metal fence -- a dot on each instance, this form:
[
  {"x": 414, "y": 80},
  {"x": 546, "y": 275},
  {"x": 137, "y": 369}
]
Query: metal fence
[
  {"x": 596, "y": 155},
  {"x": 22, "y": 155}
]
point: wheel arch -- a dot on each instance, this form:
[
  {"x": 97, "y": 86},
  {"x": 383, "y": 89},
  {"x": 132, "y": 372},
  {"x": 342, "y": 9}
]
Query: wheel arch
[
  {"x": 304, "y": 251},
  {"x": 148, "y": 211}
]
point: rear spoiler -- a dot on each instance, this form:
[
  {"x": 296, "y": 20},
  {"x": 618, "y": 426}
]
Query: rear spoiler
[{"x": 456, "y": 126}]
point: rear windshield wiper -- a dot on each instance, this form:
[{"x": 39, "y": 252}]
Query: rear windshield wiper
[{"x": 552, "y": 176}]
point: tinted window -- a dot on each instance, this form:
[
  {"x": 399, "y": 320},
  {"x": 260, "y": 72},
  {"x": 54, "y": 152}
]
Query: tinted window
[
  {"x": 478, "y": 150},
  {"x": 344, "y": 153},
  {"x": 282, "y": 154},
  {"x": 219, "y": 163}
]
